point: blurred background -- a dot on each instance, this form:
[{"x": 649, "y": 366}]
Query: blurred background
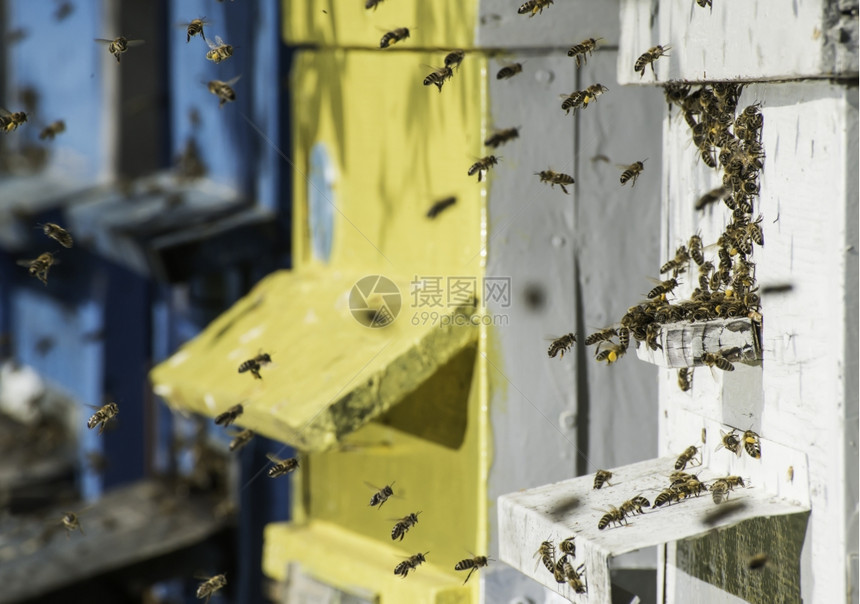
[{"x": 327, "y": 161}]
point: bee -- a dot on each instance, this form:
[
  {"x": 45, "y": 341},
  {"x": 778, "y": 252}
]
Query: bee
[
  {"x": 592, "y": 92},
  {"x": 254, "y": 365},
  {"x": 567, "y": 547},
  {"x": 471, "y": 564},
  {"x": 482, "y": 165},
  {"x": 613, "y": 515},
  {"x": 581, "y": 51},
  {"x": 695, "y": 244},
  {"x": 546, "y": 555},
  {"x": 219, "y": 50},
  {"x": 603, "y": 335},
  {"x": 500, "y": 137},
  {"x": 509, "y": 71},
  {"x": 102, "y": 416},
  {"x": 734, "y": 481},
  {"x": 223, "y": 90},
  {"x": 229, "y": 416},
  {"x": 730, "y": 442},
  {"x": 454, "y": 58},
  {"x": 623, "y": 337},
  {"x": 52, "y": 130},
  {"x": 678, "y": 263},
  {"x": 71, "y": 523},
  {"x": 758, "y": 562},
  {"x": 574, "y": 579},
  {"x": 632, "y": 172},
  {"x": 751, "y": 444},
  {"x": 394, "y": 36},
  {"x": 210, "y": 586},
  {"x": 716, "y": 359},
  {"x": 685, "y": 379},
  {"x": 240, "y": 440},
  {"x": 194, "y": 27},
  {"x": 11, "y": 121},
  {"x": 57, "y": 233},
  {"x": 704, "y": 435},
  {"x": 282, "y": 467},
  {"x": 664, "y": 287},
  {"x": 533, "y": 7},
  {"x": 561, "y": 345},
  {"x": 372, "y": 4},
  {"x": 754, "y": 231},
  {"x": 610, "y": 353},
  {"x": 667, "y": 496},
  {"x": 719, "y": 491},
  {"x": 602, "y": 477},
  {"x": 64, "y": 9},
  {"x": 438, "y": 77},
  {"x": 692, "y": 486},
  {"x": 790, "y": 474},
  {"x": 411, "y": 563},
  {"x": 704, "y": 3},
  {"x": 686, "y": 457},
  {"x": 440, "y": 205},
  {"x": 573, "y": 101},
  {"x": 556, "y": 178},
  {"x": 648, "y": 57},
  {"x": 403, "y": 525},
  {"x": 119, "y": 45},
  {"x": 634, "y": 506},
  {"x": 381, "y": 496}
]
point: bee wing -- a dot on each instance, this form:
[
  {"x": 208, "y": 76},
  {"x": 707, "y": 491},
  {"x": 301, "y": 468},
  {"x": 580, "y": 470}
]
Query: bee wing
[
  {"x": 219, "y": 41},
  {"x": 233, "y": 81},
  {"x": 374, "y": 487},
  {"x": 135, "y": 42},
  {"x": 274, "y": 459},
  {"x": 5, "y": 112},
  {"x": 214, "y": 45},
  {"x": 103, "y": 41},
  {"x": 624, "y": 166},
  {"x": 24, "y": 263}
]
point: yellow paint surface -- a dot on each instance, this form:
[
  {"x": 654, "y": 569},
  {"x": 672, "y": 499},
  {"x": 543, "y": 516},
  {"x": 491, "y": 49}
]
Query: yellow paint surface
[{"x": 444, "y": 24}]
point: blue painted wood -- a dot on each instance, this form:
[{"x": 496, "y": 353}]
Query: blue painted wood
[{"x": 62, "y": 63}]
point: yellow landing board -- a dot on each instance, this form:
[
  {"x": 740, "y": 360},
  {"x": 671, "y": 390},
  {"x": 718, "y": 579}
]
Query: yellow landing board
[
  {"x": 353, "y": 563},
  {"x": 329, "y": 374}
]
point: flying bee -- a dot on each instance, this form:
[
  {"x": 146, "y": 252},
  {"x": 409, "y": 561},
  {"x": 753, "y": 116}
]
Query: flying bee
[
  {"x": 509, "y": 71},
  {"x": 39, "y": 267},
  {"x": 561, "y": 345},
  {"x": 372, "y": 4},
  {"x": 119, "y": 45},
  {"x": 613, "y": 515},
  {"x": 229, "y": 416},
  {"x": 394, "y": 36},
  {"x": 223, "y": 90},
  {"x": 602, "y": 477},
  {"x": 632, "y": 172},
  {"x": 610, "y": 353},
  {"x": 219, "y": 50},
  {"x": 102, "y": 416},
  {"x": 254, "y": 365},
  {"x": 454, "y": 58},
  {"x": 438, "y": 77},
  {"x": 695, "y": 244},
  {"x": 500, "y": 137},
  {"x": 210, "y": 586},
  {"x": 282, "y": 467},
  {"x": 57, "y": 233},
  {"x": 685, "y": 379},
  {"x": 381, "y": 496},
  {"x": 10, "y": 121},
  {"x": 441, "y": 205},
  {"x": 678, "y": 263},
  {"x": 664, "y": 287},
  {"x": 533, "y": 6},
  {"x": 194, "y": 27},
  {"x": 581, "y": 51},
  {"x": 482, "y": 165},
  {"x": 241, "y": 439},
  {"x": 704, "y": 3},
  {"x": 71, "y": 523},
  {"x": 52, "y": 130},
  {"x": 686, "y": 457},
  {"x": 716, "y": 359},
  {"x": 410, "y": 563},
  {"x": 403, "y": 525},
  {"x": 573, "y": 101},
  {"x": 752, "y": 445},
  {"x": 471, "y": 564},
  {"x": 556, "y": 178},
  {"x": 592, "y": 92},
  {"x": 648, "y": 57},
  {"x": 730, "y": 442},
  {"x": 603, "y": 335}
]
